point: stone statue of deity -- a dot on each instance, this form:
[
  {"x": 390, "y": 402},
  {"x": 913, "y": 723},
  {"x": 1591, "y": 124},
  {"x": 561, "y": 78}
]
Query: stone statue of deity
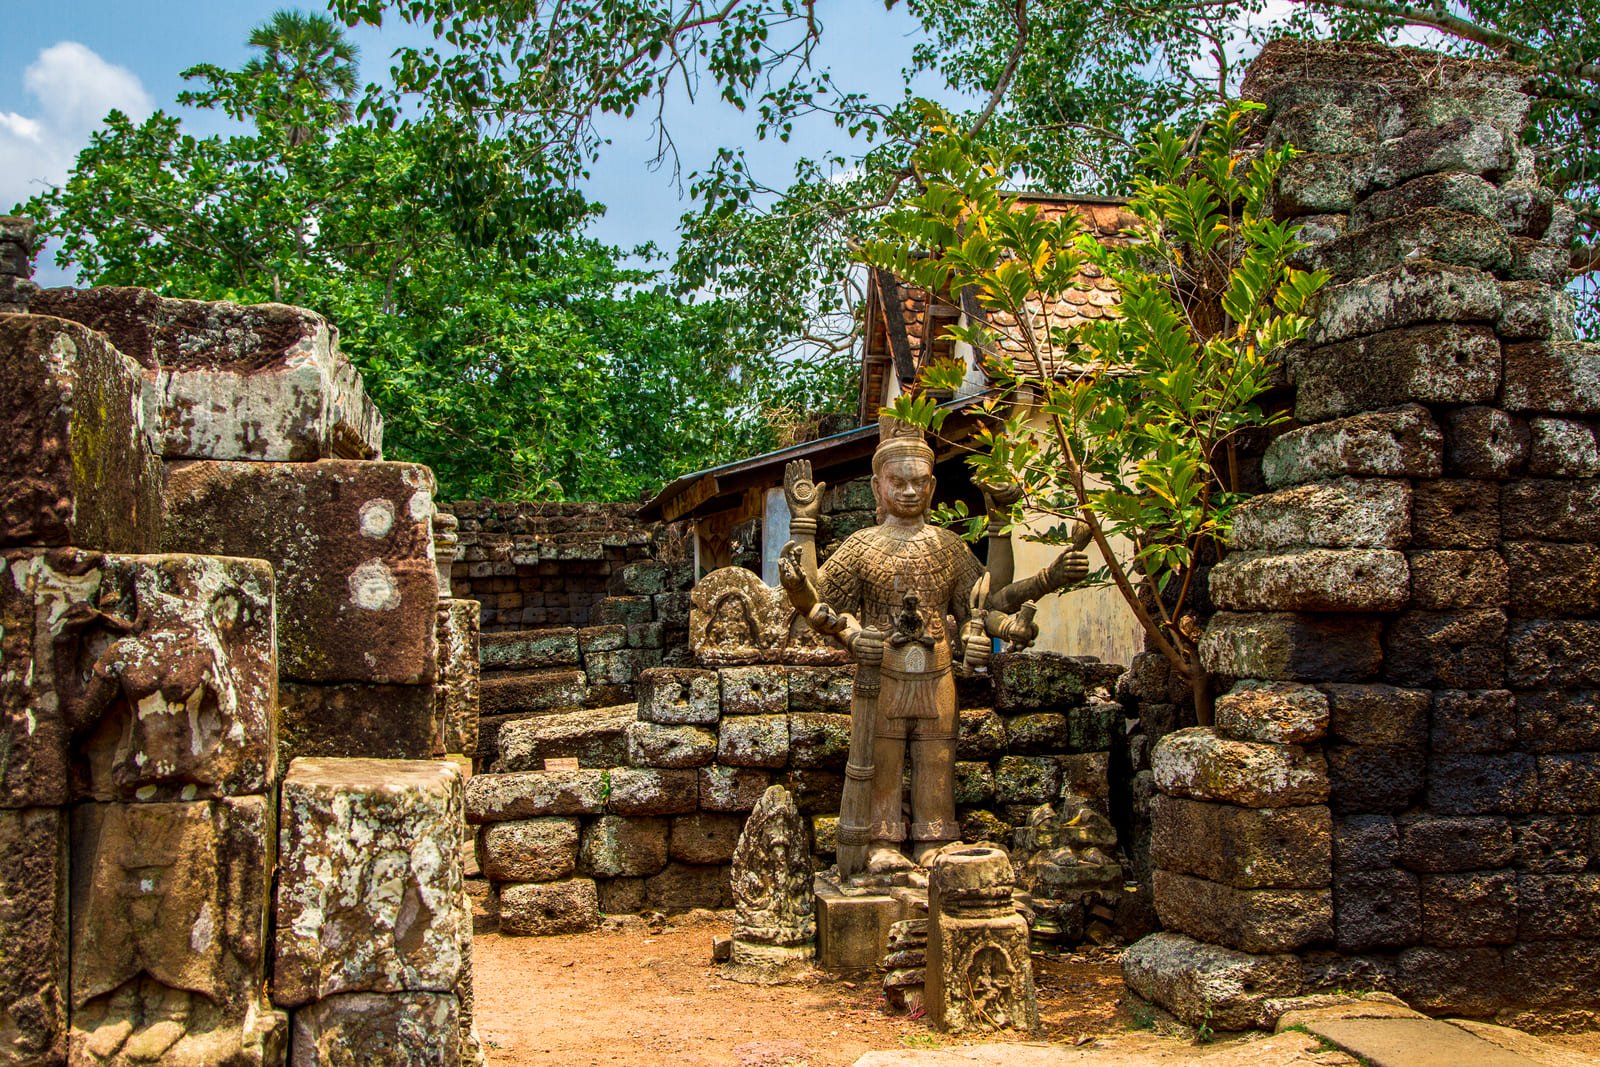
[{"x": 905, "y": 598}]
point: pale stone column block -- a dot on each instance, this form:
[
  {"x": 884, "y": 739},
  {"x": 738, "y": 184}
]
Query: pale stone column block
[
  {"x": 369, "y": 885},
  {"x": 980, "y": 976}
]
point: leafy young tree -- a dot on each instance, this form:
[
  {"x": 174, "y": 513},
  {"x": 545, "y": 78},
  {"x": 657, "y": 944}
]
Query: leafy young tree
[
  {"x": 1127, "y": 425},
  {"x": 511, "y": 354}
]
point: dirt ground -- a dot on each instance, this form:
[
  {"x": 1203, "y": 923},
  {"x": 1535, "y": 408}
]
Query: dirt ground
[{"x": 632, "y": 995}]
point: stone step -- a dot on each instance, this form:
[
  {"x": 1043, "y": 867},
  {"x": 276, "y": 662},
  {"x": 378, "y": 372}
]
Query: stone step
[
  {"x": 532, "y": 691},
  {"x": 529, "y": 649},
  {"x": 597, "y": 737},
  {"x": 1414, "y": 1043}
]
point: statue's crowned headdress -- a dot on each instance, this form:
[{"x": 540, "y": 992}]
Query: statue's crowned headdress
[{"x": 897, "y": 438}]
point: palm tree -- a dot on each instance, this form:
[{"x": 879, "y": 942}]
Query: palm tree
[{"x": 308, "y": 50}]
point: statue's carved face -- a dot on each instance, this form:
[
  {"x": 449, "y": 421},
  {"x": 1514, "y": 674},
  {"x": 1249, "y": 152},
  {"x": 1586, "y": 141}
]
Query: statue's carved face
[{"x": 904, "y": 487}]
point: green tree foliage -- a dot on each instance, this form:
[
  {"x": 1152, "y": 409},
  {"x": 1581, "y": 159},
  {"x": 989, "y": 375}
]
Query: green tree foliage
[
  {"x": 517, "y": 358},
  {"x": 1127, "y": 425}
]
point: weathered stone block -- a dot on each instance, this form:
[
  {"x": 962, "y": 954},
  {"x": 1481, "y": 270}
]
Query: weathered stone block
[
  {"x": 1446, "y": 649},
  {"x": 1443, "y": 579},
  {"x": 754, "y": 741},
  {"x": 983, "y": 735},
  {"x": 529, "y": 649},
  {"x": 1467, "y": 910},
  {"x": 614, "y": 846},
  {"x": 641, "y": 791},
  {"x": 1247, "y": 848},
  {"x": 1433, "y": 844},
  {"x": 33, "y": 936},
  {"x": 529, "y": 850},
  {"x": 1553, "y": 510},
  {"x": 1375, "y": 909},
  {"x": 822, "y": 689},
  {"x": 1564, "y": 448},
  {"x": 1376, "y": 777},
  {"x": 526, "y": 794},
  {"x": 1401, "y": 443},
  {"x": 1455, "y": 514},
  {"x": 77, "y": 467},
  {"x": 651, "y": 745},
  {"x": 1197, "y": 763},
  {"x": 1562, "y": 653},
  {"x": 1559, "y": 720},
  {"x": 1551, "y": 579},
  {"x": 1474, "y": 721},
  {"x": 456, "y": 692},
  {"x": 1465, "y": 193},
  {"x": 395, "y": 1029},
  {"x": 679, "y": 696},
  {"x": 1250, "y": 920},
  {"x": 1561, "y": 844},
  {"x": 1343, "y": 513},
  {"x": 623, "y": 610},
  {"x": 974, "y": 783},
  {"x": 815, "y": 792},
  {"x": 1039, "y": 733},
  {"x": 353, "y": 720},
  {"x": 1562, "y": 377},
  {"x": 1276, "y": 712},
  {"x": 1319, "y": 183},
  {"x": 1377, "y": 714},
  {"x": 731, "y": 788},
  {"x": 1202, "y": 983},
  {"x": 1554, "y": 973},
  {"x": 1414, "y": 292},
  {"x": 1365, "y": 842},
  {"x": 597, "y": 738},
  {"x": 169, "y": 907},
  {"x": 818, "y": 739},
  {"x": 1285, "y": 647},
  {"x": 1545, "y": 262},
  {"x": 609, "y": 637},
  {"x": 620, "y": 896},
  {"x": 1483, "y": 784},
  {"x": 682, "y": 886},
  {"x": 1557, "y": 906},
  {"x": 1452, "y": 981},
  {"x": 1458, "y": 145},
  {"x": 541, "y": 909},
  {"x": 1440, "y": 364},
  {"x": 1485, "y": 442},
  {"x": 618, "y": 668},
  {"x": 1534, "y": 311},
  {"x": 760, "y": 690},
  {"x": 162, "y": 666},
  {"x": 705, "y": 837},
  {"x": 1045, "y": 681},
  {"x": 1027, "y": 780},
  {"x": 262, "y": 382},
  {"x": 1449, "y": 237},
  {"x": 1568, "y": 784},
  {"x": 351, "y": 544},
  {"x": 551, "y": 690},
  {"x": 369, "y": 879},
  {"x": 1311, "y": 579}
]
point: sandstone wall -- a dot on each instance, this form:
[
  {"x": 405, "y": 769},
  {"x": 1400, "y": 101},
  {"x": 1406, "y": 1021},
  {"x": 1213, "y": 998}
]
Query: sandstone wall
[
  {"x": 1402, "y": 790},
  {"x": 651, "y": 816}
]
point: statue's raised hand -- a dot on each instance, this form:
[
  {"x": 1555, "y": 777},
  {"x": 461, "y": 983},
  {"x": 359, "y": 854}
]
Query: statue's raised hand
[
  {"x": 791, "y": 570},
  {"x": 999, "y": 497},
  {"x": 1069, "y": 569},
  {"x": 803, "y": 495}
]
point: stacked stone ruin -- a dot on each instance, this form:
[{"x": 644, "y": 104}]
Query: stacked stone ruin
[
  {"x": 650, "y": 817},
  {"x": 1402, "y": 789},
  {"x": 164, "y": 713}
]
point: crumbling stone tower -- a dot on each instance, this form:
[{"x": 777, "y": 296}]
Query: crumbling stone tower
[{"x": 1402, "y": 788}]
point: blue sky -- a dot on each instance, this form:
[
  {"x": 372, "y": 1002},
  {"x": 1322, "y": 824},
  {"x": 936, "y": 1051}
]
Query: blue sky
[{"x": 63, "y": 64}]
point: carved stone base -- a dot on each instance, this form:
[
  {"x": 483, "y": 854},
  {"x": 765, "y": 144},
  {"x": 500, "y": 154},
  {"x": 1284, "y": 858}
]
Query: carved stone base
[
  {"x": 979, "y": 974},
  {"x": 756, "y": 964},
  {"x": 853, "y": 926}
]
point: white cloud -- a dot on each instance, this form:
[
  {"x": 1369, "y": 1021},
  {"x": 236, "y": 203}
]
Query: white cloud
[{"x": 72, "y": 89}]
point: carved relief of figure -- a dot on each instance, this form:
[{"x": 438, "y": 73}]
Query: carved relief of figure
[{"x": 898, "y": 596}]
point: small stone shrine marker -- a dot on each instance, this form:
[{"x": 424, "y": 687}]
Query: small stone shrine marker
[
  {"x": 774, "y": 933},
  {"x": 980, "y": 976}
]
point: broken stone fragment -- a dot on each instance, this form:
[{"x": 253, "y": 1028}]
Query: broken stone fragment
[
  {"x": 351, "y": 544},
  {"x": 394, "y": 1029},
  {"x": 77, "y": 468},
  {"x": 1209, "y": 984},
  {"x": 262, "y": 382},
  {"x": 168, "y": 957},
  {"x": 1278, "y": 712},
  {"x": 33, "y": 936},
  {"x": 369, "y": 882},
  {"x": 529, "y": 850},
  {"x": 678, "y": 696},
  {"x": 542, "y": 909}
]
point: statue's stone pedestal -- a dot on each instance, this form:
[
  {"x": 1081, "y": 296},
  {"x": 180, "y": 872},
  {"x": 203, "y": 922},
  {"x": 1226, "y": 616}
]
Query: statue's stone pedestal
[
  {"x": 757, "y": 964},
  {"x": 853, "y": 924}
]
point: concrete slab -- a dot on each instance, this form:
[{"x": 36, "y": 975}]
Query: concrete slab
[{"x": 1414, "y": 1043}]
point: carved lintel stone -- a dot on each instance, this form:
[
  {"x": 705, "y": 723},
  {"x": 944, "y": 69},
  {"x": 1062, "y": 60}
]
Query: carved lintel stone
[
  {"x": 774, "y": 932},
  {"x": 979, "y": 973},
  {"x": 736, "y": 618}
]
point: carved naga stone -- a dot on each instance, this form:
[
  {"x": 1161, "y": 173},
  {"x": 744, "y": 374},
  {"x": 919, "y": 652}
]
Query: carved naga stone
[{"x": 898, "y": 596}]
